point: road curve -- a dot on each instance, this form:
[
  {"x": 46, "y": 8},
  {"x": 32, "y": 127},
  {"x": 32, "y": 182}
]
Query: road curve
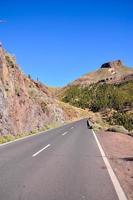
[{"x": 62, "y": 164}]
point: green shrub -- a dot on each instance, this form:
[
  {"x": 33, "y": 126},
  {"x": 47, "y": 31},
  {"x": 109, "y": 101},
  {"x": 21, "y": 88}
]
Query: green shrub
[
  {"x": 6, "y": 138},
  {"x": 98, "y": 97},
  {"x": 9, "y": 137},
  {"x": 124, "y": 119},
  {"x": 102, "y": 96}
]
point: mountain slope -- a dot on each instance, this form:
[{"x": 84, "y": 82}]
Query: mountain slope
[
  {"x": 26, "y": 105},
  {"x": 110, "y": 72},
  {"x": 110, "y": 95}
]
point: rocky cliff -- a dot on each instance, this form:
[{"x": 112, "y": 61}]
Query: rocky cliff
[{"x": 25, "y": 104}]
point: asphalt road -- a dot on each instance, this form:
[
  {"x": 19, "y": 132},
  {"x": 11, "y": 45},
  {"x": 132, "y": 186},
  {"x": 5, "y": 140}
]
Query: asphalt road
[{"x": 61, "y": 164}]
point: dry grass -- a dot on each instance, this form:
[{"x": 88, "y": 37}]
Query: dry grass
[
  {"x": 9, "y": 137},
  {"x": 71, "y": 112}
]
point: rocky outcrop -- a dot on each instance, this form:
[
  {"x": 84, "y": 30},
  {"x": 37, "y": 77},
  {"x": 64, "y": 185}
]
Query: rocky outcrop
[
  {"x": 25, "y": 104},
  {"x": 116, "y": 63},
  {"x": 3, "y": 66}
]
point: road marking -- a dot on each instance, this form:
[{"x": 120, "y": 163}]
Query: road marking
[
  {"x": 38, "y": 133},
  {"x": 120, "y": 193},
  {"x": 71, "y": 127},
  {"x": 35, "y": 154},
  {"x": 65, "y": 133},
  {"x": 29, "y": 136}
]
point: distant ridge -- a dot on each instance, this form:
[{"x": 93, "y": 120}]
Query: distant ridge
[{"x": 110, "y": 72}]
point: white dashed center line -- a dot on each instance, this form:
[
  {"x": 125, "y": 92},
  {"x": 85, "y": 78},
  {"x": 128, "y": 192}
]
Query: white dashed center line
[
  {"x": 65, "y": 133},
  {"x": 41, "y": 150}
]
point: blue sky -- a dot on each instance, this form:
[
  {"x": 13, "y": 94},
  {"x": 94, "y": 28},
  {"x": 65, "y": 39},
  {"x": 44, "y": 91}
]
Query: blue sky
[{"x": 58, "y": 41}]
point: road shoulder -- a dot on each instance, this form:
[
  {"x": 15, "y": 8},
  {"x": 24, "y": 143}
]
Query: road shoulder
[{"x": 119, "y": 151}]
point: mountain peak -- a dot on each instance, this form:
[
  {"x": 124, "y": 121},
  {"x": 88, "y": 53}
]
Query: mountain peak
[
  {"x": 112, "y": 64},
  {"x": 110, "y": 72}
]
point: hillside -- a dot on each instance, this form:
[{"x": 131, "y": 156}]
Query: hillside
[
  {"x": 27, "y": 105},
  {"x": 110, "y": 72},
  {"x": 101, "y": 92}
]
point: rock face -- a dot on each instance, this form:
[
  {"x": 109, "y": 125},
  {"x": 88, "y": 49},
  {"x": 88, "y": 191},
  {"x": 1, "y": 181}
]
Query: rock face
[
  {"x": 25, "y": 104},
  {"x": 116, "y": 63}
]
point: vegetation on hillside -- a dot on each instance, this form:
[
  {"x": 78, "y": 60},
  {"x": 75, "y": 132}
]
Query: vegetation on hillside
[
  {"x": 99, "y": 97},
  {"x": 124, "y": 119}
]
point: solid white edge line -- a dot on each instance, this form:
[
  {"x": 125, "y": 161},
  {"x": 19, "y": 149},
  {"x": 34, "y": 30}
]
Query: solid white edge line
[
  {"x": 38, "y": 133},
  {"x": 28, "y": 136},
  {"x": 120, "y": 193},
  {"x": 35, "y": 154},
  {"x": 64, "y": 133}
]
